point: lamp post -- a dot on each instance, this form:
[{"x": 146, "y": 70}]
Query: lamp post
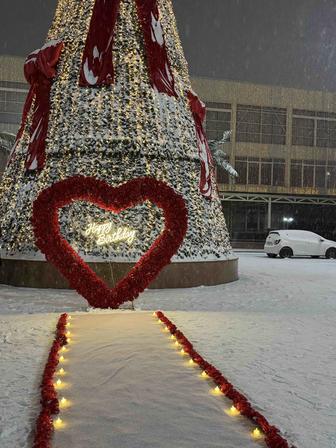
[{"x": 287, "y": 220}]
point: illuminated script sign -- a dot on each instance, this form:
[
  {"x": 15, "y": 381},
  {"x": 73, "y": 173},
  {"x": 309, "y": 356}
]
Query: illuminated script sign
[{"x": 107, "y": 233}]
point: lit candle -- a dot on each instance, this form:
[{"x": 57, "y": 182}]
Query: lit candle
[
  {"x": 233, "y": 411},
  {"x": 58, "y": 423},
  {"x": 217, "y": 390},
  {"x": 204, "y": 374},
  {"x": 256, "y": 433}
]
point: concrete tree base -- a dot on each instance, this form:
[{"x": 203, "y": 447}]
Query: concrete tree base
[{"x": 41, "y": 274}]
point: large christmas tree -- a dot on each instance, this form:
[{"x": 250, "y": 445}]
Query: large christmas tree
[{"x": 111, "y": 98}]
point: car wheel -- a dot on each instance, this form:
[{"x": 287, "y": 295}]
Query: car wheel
[
  {"x": 286, "y": 252},
  {"x": 272, "y": 255},
  {"x": 315, "y": 256},
  {"x": 331, "y": 253}
]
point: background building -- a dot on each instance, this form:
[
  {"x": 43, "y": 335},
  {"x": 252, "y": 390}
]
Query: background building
[
  {"x": 13, "y": 91},
  {"x": 283, "y": 145}
]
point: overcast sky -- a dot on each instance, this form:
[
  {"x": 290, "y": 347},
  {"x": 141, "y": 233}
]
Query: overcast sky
[{"x": 282, "y": 42}]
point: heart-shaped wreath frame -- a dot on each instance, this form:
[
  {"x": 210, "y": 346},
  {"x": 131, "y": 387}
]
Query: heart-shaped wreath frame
[{"x": 58, "y": 251}]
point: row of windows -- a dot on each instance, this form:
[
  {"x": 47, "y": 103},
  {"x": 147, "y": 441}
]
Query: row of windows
[
  {"x": 307, "y": 173},
  {"x": 271, "y": 172},
  {"x": 257, "y": 124},
  {"x": 261, "y": 171}
]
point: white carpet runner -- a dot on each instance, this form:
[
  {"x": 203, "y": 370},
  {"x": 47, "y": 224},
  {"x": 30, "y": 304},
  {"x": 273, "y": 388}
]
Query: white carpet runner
[{"x": 128, "y": 387}]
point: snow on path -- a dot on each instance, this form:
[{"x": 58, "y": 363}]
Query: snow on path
[
  {"x": 130, "y": 388},
  {"x": 24, "y": 345},
  {"x": 272, "y": 333}
]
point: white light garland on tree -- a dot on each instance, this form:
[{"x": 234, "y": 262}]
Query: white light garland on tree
[{"x": 115, "y": 133}]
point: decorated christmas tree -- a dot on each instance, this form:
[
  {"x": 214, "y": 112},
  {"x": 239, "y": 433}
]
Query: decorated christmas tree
[{"x": 111, "y": 98}]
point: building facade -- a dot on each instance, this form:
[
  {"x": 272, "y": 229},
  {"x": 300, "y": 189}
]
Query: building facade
[
  {"x": 283, "y": 145},
  {"x": 13, "y": 92}
]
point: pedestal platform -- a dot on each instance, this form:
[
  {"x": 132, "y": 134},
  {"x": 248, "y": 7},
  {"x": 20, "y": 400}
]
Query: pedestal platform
[{"x": 42, "y": 274}]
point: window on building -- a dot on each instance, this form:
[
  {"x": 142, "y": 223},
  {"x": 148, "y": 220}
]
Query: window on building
[
  {"x": 258, "y": 124},
  {"x": 241, "y": 168},
  {"x": 222, "y": 175},
  {"x": 266, "y": 172},
  {"x": 255, "y": 171},
  {"x": 312, "y": 128},
  {"x": 11, "y": 103},
  {"x": 273, "y": 125},
  {"x": 308, "y": 174},
  {"x": 331, "y": 175},
  {"x": 278, "y": 179},
  {"x": 326, "y": 133},
  {"x": 218, "y": 120},
  {"x": 320, "y": 175},
  {"x": 296, "y": 173},
  {"x": 303, "y": 131}
]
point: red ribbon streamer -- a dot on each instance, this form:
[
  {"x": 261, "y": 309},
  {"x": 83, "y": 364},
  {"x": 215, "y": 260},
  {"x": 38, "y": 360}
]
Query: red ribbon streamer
[
  {"x": 161, "y": 76},
  {"x": 39, "y": 70},
  {"x": 97, "y": 65},
  {"x": 198, "y": 110}
]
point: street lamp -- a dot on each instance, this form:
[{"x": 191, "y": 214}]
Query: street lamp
[{"x": 287, "y": 220}]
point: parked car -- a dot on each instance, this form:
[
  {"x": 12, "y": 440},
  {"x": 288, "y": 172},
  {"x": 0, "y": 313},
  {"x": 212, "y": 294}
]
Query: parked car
[{"x": 288, "y": 243}]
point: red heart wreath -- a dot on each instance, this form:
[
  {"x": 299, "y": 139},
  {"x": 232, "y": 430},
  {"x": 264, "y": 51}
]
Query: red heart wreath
[{"x": 59, "y": 252}]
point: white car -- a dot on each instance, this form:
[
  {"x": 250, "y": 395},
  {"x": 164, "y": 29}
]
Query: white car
[{"x": 288, "y": 243}]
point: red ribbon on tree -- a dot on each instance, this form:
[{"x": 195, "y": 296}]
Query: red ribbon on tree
[
  {"x": 198, "y": 110},
  {"x": 161, "y": 75},
  {"x": 39, "y": 71},
  {"x": 97, "y": 65}
]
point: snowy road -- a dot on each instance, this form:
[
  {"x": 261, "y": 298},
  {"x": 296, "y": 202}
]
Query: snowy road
[{"x": 272, "y": 333}]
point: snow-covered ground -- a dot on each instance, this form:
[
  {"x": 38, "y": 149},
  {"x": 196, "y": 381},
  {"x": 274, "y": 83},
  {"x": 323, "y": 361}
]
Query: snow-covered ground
[{"x": 272, "y": 334}]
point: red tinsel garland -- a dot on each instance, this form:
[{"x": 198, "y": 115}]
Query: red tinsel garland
[
  {"x": 97, "y": 65},
  {"x": 81, "y": 277},
  {"x": 273, "y": 438},
  {"x": 49, "y": 401}
]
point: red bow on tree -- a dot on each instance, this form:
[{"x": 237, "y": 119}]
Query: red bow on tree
[
  {"x": 39, "y": 70},
  {"x": 97, "y": 65}
]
